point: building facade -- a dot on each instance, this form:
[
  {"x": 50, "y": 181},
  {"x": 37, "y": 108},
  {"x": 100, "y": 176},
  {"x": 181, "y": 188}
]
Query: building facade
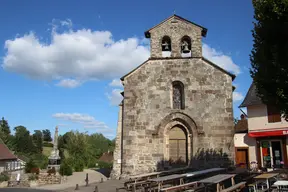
[
  {"x": 7, "y": 158},
  {"x": 177, "y": 105},
  {"x": 267, "y": 132}
]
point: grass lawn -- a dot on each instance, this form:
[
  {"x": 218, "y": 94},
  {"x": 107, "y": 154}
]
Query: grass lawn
[{"x": 47, "y": 151}]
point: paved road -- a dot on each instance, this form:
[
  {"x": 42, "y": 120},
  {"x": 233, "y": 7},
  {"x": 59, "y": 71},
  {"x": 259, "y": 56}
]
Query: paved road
[
  {"x": 23, "y": 190},
  {"x": 76, "y": 178}
]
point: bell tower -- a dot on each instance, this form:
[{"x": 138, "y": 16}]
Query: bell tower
[{"x": 176, "y": 37}]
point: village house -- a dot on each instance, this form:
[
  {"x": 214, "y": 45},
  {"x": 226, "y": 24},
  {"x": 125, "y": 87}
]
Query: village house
[
  {"x": 177, "y": 105},
  {"x": 6, "y": 157},
  {"x": 265, "y": 139}
]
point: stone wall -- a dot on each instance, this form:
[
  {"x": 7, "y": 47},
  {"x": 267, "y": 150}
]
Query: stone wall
[
  {"x": 176, "y": 29},
  {"x": 116, "y": 172},
  {"x": 44, "y": 178},
  {"x": 148, "y": 110}
]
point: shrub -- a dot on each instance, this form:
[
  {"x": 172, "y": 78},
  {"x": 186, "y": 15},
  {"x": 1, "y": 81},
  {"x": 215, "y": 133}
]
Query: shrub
[
  {"x": 35, "y": 170},
  {"x": 103, "y": 164},
  {"x": 91, "y": 163},
  {"x": 51, "y": 171},
  {"x": 40, "y": 160},
  {"x": 4, "y": 177},
  {"x": 78, "y": 166},
  {"x": 45, "y": 144},
  {"x": 29, "y": 165},
  {"x": 33, "y": 177},
  {"x": 65, "y": 169}
]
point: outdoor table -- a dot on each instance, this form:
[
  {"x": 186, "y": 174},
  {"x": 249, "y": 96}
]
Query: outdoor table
[
  {"x": 281, "y": 185},
  {"x": 133, "y": 180},
  {"x": 217, "y": 179},
  {"x": 197, "y": 173},
  {"x": 168, "y": 178},
  {"x": 145, "y": 175},
  {"x": 266, "y": 177},
  {"x": 175, "y": 170}
]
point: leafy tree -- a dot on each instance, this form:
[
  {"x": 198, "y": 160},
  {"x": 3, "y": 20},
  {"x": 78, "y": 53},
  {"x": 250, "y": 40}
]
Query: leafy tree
[
  {"x": 24, "y": 143},
  {"x": 103, "y": 144},
  {"x": 37, "y": 139},
  {"x": 65, "y": 169},
  {"x": 47, "y": 135},
  {"x": 4, "y": 126},
  {"x": 4, "y": 130},
  {"x": 29, "y": 166},
  {"x": 269, "y": 55}
]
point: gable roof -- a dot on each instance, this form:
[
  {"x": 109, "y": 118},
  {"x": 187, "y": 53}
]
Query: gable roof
[
  {"x": 5, "y": 153},
  {"x": 241, "y": 126},
  {"x": 107, "y": 157},
  {"x": 204, "y": 30},
  {"x": 251, "y": 97},
  {"x": 167, "y": 58}
]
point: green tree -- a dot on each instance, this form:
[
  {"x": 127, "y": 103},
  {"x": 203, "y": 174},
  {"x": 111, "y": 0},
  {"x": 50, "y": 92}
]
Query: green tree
[
  {"x": 4, "y": 126},
  {"x": 4, "y": 130},
  {"x": 38, "y": 140},
  {"x": 269, "y": 55},
  {"x": 24, "y": 143},
  {"x": 47, "y": 135}
]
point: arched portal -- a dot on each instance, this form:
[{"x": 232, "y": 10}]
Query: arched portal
[{"x": 178, "y": 145}]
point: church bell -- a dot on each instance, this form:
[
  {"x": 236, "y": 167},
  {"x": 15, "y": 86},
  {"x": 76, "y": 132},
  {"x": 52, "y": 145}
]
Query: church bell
[
  {"x": 165, "y": 46},
  {"x": 185, "y": 47}
]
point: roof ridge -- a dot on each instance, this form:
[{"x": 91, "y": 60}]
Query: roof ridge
[{"x": 204, "y": 30}]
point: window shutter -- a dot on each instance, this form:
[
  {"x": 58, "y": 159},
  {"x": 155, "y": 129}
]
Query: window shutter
[{"x": 273, "y": 114}]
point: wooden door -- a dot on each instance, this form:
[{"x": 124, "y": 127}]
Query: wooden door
[
  {"x": 242, "y": 157},
  {"x": 178, "y": 145}
]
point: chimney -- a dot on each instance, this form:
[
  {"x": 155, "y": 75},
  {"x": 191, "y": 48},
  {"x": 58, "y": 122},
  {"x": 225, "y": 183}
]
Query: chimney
[{"x": 242, "y": 116}]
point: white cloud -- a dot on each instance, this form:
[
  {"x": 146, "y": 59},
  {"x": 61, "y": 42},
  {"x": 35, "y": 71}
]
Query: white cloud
[
  {"x": 86, "y": 120},
  {"x": 115, "y": 96},
  {"x": 116, "y": 83},
  {"x": 237, "y": 96},
  {"x": 220, "y": 59},
  {"x": 69, "y": 83},
  {"x": 81, "y": 54}
]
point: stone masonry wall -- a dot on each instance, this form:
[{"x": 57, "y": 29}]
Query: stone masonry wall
[
  {"x": 115, "y": 174},
  {"x": 148, "y": 100},
  {"x": 176, "y": 29},
  {"x": 147, "y": 108}
]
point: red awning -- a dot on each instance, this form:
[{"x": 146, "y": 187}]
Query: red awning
[{"x": 268, "y": 133}]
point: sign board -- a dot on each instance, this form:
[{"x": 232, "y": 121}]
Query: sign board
[
  {"x": 277, "y": 153},
  {"x": 118, "y": 160}
]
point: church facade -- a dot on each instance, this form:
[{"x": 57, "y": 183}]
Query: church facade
[{"x": 177, "y": 105}]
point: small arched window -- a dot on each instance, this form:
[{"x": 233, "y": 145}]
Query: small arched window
[
  {"x": 178, "y": 95},
  {"x": 186, "y": 46},
  {"x": 166, "y": 46}
]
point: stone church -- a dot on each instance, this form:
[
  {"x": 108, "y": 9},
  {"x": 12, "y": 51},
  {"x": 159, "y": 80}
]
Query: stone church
[{"x": 175, "y": 105}]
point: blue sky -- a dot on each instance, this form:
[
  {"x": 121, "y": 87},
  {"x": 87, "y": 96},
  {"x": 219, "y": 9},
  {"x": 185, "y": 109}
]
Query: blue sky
[{"x": 61, "y": 60}]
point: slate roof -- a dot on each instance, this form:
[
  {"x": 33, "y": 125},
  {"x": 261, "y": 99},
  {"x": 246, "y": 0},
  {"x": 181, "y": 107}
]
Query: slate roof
[
  {"x": 5, "y": 153},
  {"x": 251, "y": 97}
]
